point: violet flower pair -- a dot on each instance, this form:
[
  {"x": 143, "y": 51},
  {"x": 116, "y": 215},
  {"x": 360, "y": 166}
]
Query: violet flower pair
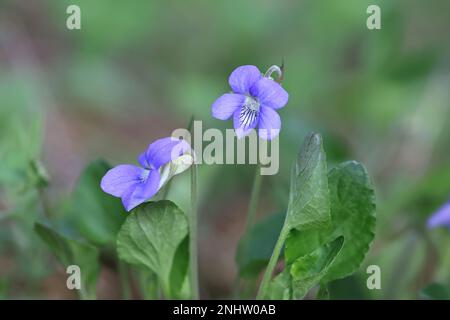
[{"x": 252, "y": 104}]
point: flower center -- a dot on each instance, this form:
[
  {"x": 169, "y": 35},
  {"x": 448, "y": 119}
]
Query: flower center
[
  {"x": 144, "y": 176},
  {"x": 249, "y": 112}
]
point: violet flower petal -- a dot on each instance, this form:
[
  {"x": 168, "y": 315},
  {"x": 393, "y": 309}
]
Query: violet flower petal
[
  {"x": 243, "y": 78},
  {"x": 441, "y": 217},
  {"x": 242, "y": 131},
  {"x": 142, "y": 159},
  {"x": 269, "y": 123},
  {"x": 141, "y": 192},
  {"x": 270, "y": 93},
  {"x": 165, "y": 150},
  {"x": 224, "y": 107},
  {"x": 121, "y": 178}
]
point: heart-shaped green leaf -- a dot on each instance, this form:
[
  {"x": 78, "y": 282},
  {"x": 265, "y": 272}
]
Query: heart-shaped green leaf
[
  {"x": 309, "y": 203},
  {"x": 151, "y": 236},
  {"x": 97, "y": 215},
  {"x": 352, "y": 215},
  {"x": 323, "y": 210},
  {"x": 72, "y": 252}
]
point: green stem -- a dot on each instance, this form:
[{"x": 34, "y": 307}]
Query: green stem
[
  {"x": 251, "y": 214},
  {"x": 254, "y": 198},
  {"x": 262, "y": 293},
  {"x": 193, "y": 256}
]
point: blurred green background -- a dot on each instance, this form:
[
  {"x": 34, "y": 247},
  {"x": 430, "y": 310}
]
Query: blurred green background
[{"x": 139, "y": 69}]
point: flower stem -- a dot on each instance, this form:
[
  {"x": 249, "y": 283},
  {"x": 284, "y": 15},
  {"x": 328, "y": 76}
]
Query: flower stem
[
  {"x": 262, "y": 293},
  {"x": 254, "y": 197},
  {"x": 193, "y": 256},
  {"x": 251, "y": 214}
]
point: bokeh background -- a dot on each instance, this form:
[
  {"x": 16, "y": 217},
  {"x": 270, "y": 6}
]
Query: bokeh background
[{"x": 139, "y": 69}]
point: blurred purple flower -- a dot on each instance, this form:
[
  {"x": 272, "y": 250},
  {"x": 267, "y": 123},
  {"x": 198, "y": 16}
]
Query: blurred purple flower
[
  {"x": 441, "y": 217},
  {"x": 163, "y": 159},
  {"x": 252, "y": 103}
]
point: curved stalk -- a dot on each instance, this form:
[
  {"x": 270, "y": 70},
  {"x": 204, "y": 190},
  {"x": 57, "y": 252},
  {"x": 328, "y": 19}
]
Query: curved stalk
[{"x": 262, "y": 293}]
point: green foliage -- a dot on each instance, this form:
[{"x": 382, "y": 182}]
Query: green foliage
[
  {"x": 20, "y": 128},
  {"x": 280, "y": 287},
  {"x": 155, "y": 235},
  {"x": 436, "y": 291},
  {"x": 352, "y": 215},
  {"x": 177, "y": 278},
  {"x": 97, "y": 215},
  {"x": 309, "y": 203},
  {"x": 310, "y": 269},
  {"x": 72, "y": 252},
  {"x": 38, "y": 175},
  {"x": 148, "y": 282},
  {"x": 329, "y": 226}
]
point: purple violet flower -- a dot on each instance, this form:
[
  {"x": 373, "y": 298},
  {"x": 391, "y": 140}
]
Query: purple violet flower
[
  {"x": 441, "y": 217},
  {"x": 253, "y": 103},
  {"x": 163, "y": 159}
]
